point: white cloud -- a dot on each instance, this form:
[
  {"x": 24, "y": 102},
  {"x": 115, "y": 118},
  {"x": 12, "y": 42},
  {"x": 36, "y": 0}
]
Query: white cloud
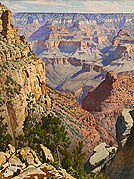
[
  {"x": 79, "y": 6},
  {"x": 48, "y": 3},
  {"x": 17, "y": 6},
  {"x": 6, "y": 1},
  {"x": 106, "y": 6}
]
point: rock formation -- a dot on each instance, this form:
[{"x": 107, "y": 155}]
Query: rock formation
[
  {"x": 103, "y": 153},
  {"x": 23, "y": 86},
  {"x": 120, "y": 57},
  {"x": 24, "y": 163},
  {"x": 122, "y": 37},
  {"x": 115, "y": 91},
  {"x": 122, "y": 166},
  {"x": 108, "y": 100},
  {"x": 21, "y": 73}
]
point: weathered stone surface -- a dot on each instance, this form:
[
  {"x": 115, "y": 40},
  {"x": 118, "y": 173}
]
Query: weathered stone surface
[
  {"x": 124, "y": 126},
  {"x": 46, "y": 154},
  {"x": 102, "y": 154},
  {"x": 25, "y": 164},
  {"x": 107, "y": 101},
  {"x": 122, "y": 166},
  {"x": 2, "y": 158},
  {"x": 9, "y": 172},
  {"x": 21, "y": 73},
  {"x": 28, "y": 156},
  {"x": 11, "y": 149},
  {"x": 15, "y": 161}
]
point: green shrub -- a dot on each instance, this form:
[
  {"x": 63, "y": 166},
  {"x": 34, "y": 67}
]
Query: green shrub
[{"x": 5, "y": 138}]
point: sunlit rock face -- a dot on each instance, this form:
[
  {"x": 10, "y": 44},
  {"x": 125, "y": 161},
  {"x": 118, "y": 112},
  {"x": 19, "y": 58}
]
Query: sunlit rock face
[
  {"x": 24, "y": 163},
  {"x": 21, "y": 73}
]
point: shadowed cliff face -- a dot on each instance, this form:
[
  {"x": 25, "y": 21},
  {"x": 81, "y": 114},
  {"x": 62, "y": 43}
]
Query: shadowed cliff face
[
  {"x": 122, "y": 165},
  {"x": 95, "y": 98}
]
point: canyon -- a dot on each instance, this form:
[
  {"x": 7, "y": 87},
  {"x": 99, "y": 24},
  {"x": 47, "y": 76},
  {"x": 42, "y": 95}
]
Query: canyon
[
  {"x": 81, "y": 65},
  {"x": 79, "y": 49},
  {"x": 23, "y": 85}
]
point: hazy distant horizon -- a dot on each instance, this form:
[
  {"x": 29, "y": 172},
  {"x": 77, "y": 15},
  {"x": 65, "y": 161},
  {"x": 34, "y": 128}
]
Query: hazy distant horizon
[
  {"x": 70, "y": 6},
  {"x": 125, "y": 13}
]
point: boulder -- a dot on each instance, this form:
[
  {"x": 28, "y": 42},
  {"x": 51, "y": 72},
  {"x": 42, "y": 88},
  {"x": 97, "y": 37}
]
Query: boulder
[
  {"x": 102, "y": 154},
  {"x": 11, "y": 149},
  {"x": 25, "y": 164},
  {"x": 46, "y": 154},
  {"x": 11, "y": 171},
  {"x": 15, "y": 161},
  {"x": 2, "y": 158},
  {"x": 28, "y": 156}
]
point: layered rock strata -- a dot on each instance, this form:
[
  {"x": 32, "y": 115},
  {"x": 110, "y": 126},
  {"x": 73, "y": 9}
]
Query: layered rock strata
[{"x": 108, "y": 100}]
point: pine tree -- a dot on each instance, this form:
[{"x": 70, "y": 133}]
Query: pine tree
[{"x": 5, "y": 138}]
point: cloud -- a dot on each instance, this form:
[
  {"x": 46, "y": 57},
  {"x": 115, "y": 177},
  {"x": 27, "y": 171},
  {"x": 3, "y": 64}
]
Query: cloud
[
  {"x": 6, "y": 1},
  {"x": 48, "y": 3},
  {"x": 106, "y": 6},
  {"x": 17, "y": 6},
  {"x": 74, "y": 6}
]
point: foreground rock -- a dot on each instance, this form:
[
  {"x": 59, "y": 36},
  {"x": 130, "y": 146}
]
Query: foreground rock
[
  {"x": 46, "y": 154},
  {"x": 122, "y": 166},
  {"x": 24, "y": 163},
  {"x": 103, "y": 153}
]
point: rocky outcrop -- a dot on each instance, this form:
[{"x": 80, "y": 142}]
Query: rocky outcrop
[
  {"x": 21, "y": 73},
  {"x": 122, "y": 38},
  {"x": 122, "y": 165},
  {"x": 24, "y": 163},
  {"x": 46, "y": 154},
  {"x": 103, "y": 153}
]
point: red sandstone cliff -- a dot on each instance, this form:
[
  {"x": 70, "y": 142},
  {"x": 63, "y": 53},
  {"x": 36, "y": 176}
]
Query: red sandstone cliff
[
  {"x": 114, "y": 92},
  {"x": 108, "y": 99}
]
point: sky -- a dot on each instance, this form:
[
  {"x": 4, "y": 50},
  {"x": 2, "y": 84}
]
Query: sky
[{"x": 70, "y": 6}]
